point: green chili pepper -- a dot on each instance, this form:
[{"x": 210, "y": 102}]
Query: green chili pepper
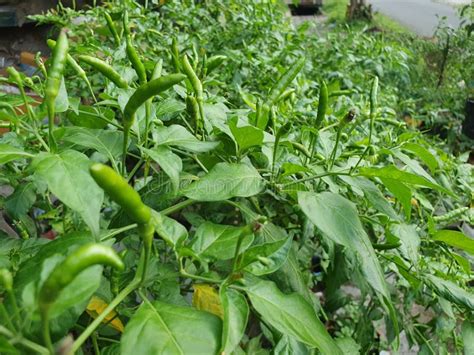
[
  {"x": 75, "y": 66},
  {"x": 322, "y": 105},
  {"x": 6, "y": 280},
  {"x": 55, "y": 73},
  {"x": 79, "y": 260},
  {"x": 386, "y": 246},
  {"x": 112, "y": 28},
  {"x": 285, "y": 80},
  {"x": 145, "y": 92},
  {"x": 196, "y": 85},
  {"x": 139, "y": 97},
  {"x": 193, "y": 78},
  {"x": 64, "y": 273},
  {"x": 121, "y": 192},
  {"x": 192, "y": 107},
  {"x": 301, "y": 148},
  {"x": 132, "y": 54},
  {"x": 175, "y": 55},
  {"x": 340, "y": 93},
  {"x": 373, "y": 107},
  {"x": 105, "y": 69}
]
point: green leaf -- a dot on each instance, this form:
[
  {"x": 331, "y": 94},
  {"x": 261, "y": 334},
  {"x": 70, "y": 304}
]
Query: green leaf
[
  {"x": 338, "y": 219},
  {"x": 73, "y": 300},
  {"x": 106, "y": 142},
  {"x": 9, "y": 153},
  {"x": 401, "y": 192},
  {"x": 266, "y": 258},
  {"x": 169, "y": 162},
  {"x": 218, "y": 241},
  {"x": 29, "y": 271},
  {"x": 455, "y": 239},
  {"x": 289, "y": 276},
  {"x": 423, "y": 154},
  {"x": 169, "y": 109},
  {"x": 67, "y": 176},
  {"x": 288, "y": 346},
  {"x": 19, "y": 203},
  {"x": 90, "y": 117},
  {"x": 170, "y": 230},
  {"x": 392, "y": 172},
  {"x": 450, "y": 291},
  {"x": 348, "y": 346},
  {"x": 413, "y": 165},
  {"x": 373, "y": 195},
  {"x": 468, "y": 336},
  {"x": 246, "y": 136},
  {"x": 178, "y": 136},
  {"x": 290, "y": 314},
  {"x": 61, "y": 104},
  {"x": 6, "y": 347},
  {"x": 78, "y": 292},
  {"x": 224, "y": 181},
  {"x": 162, "y": 328},
  {"x": 410, "y": 240},
  {"x": 236, "y": 313}
]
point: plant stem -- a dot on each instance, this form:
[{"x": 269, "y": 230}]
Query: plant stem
[
  {"x": 117, "y": 231},
  {"x": 95, "y": 344},
  {"x": 183, "y": 273},
  {"x": 329, "y": 173},
  {"x": 4, "y": 314},
  {"x": 147, "y": 121},
  {"x": 92, "y": 327},
  {"x": 16, "y": 310},
  {"x": 175, "y": 208},
  {"x": 46, "y": 332},
  {"x": 332, "y": 158},
  {"x": 236, "y": 261},
  {"x": 25, "y": 342}
]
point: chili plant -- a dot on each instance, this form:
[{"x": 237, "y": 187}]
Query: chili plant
[{"x": 231, "y": 185}]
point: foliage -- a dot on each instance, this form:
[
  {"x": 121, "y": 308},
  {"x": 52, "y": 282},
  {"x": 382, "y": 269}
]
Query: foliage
[{"x": 263, "y": 241}]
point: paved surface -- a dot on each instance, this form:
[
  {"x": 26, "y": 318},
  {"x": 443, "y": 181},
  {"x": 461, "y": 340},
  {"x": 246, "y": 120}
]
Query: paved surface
[{"x": 421, "y": 16}]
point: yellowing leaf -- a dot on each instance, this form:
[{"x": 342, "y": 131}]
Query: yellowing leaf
[
  {"x": 96, "y": 306},
  {"x": 206, "y": 298}
]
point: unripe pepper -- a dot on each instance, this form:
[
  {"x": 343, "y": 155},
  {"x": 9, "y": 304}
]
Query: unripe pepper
[
  {"x": 322, "y": 105},
  {"x": 145, "y": 92},
  {"x": 121, "y": 192},
  {"x": 285, "y": 80},
  {"x": 79, "y": 260},
  {"x": 105, "y": 69},
  {"x": 64, "y": 273},
  {"x": 75, "y": 66},
  {"x": 112, "y": 28},
  {"x": 132, "y": 54},
  {"x": 53, "y": 82},
  {"x": 196, "y": 85},
  {"x": 192, "y": 107}
]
